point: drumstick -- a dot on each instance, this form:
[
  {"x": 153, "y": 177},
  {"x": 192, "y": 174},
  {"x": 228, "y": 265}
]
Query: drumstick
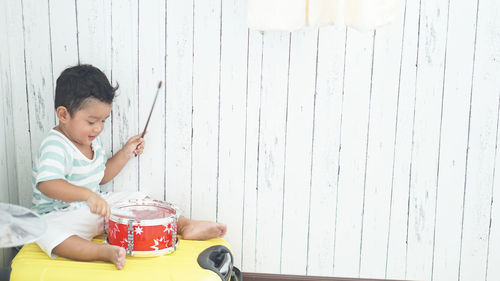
[{"x": 150, "y": 112}]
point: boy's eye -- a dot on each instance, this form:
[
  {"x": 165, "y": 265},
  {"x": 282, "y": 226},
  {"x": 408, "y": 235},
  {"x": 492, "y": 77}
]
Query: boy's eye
[{"x": 91, "y": 123}]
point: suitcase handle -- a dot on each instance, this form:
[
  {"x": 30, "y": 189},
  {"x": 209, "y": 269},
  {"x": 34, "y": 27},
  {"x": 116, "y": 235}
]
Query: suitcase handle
[
  {"x": 217, "y": 259},
  {"x": 236, "y": 274}
]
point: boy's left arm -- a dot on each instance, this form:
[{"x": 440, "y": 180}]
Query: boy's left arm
[{"x": 133, "y": 147}]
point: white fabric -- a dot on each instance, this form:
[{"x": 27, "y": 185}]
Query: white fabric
[
  {"x": 276, "y": 14},
  {"x": 289, "y": 15},
  {"x": 80, "y": 222}
]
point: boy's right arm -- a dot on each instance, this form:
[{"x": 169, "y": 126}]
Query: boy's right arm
[{"x": 62, "y": 190}]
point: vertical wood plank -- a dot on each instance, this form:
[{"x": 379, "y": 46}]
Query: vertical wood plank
[
  {"x": 94, "y": 33},
  {"x": 125, "y": 72},
  {"x": 5, "y": 114},
  {"x": 151, "y": 71},
  {"x": 355, "y": 114},
  {"x": 253, "y": 100},
  {"x": 234, "y": 45},
  {"x": 272, "y": 151},
  {"x": 298, "y": 153},
  {"x": 326, "y": 147},
  {"x": 425, "y": 151},
  {"x": 18, "y": 87},
  {"x": 38, "y": 70},
  {"x": 478, "y": 224},
  {"x": 179, "y": 67},
  {"x": 8, "y": 180},
  {"x": 454, "y": 136},
  {"x": 381, "y": 134},
  {"x": 206, "y": 79},
  {"x": 94, "y": 47},
  {"x": 492, "y": 271},
  {"x": 398, "y": 225},
  {"x": 63, "y": 36},
  {"x": 8, "y": 152}
]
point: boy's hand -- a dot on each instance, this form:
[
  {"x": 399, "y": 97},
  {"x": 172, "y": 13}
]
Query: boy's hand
[
  {"x": 134, "y": 146},
  {"x": 98, "y": 205}
]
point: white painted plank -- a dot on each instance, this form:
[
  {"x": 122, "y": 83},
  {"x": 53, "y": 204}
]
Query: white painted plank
[
  {"x": 298, "y": 153},
  {"x": 38, "y": 70},
  {"x": 8, "y": 158},
  {"x": 253, "y": 97},
  {"x": 179, "y": 67},
  {"x": 94, "y": 47},
  {"x": 326, "y": 147},
  {"x": 398, "y": 225},
  {"x": 63, "y": 36},
  {"x": 206, "y": 78},
  {"x": 493, "y": 271},
  {"x": 4, "y": 176},
  {"x": 454, "y": 135},
  {"x": 355, "y": 114},
  {"x": 479, "y": 215},
  {"x": 234, "y": 44},
  {"x": 381, "y": 134},
  {"x": 151, "y": 72},
  {"x": 271, "y": 151},
  {"x": 4, "y": 112},
  {"x": 94, "y": 32},
  {"x": 429, "y": 91},
  {"x": 125, "y": 72},
  {"x": 21, "y": 132},
  {"x": 479, "y": 181}
]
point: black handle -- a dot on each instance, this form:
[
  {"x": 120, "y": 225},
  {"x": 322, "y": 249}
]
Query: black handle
[
  {"x": 236, "y": 274},
  {"x": 217, "y": 259}
]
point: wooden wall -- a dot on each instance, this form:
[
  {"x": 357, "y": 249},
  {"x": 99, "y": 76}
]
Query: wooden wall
[{"x": 327, "y": 151}]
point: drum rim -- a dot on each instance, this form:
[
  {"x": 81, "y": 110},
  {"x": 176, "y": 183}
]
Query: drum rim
[
  {"x": 151, "y": 253},
  {"x": 145, "y": 222}
]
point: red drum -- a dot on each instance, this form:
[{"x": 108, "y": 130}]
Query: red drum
[{"x": 144, "y": 227}]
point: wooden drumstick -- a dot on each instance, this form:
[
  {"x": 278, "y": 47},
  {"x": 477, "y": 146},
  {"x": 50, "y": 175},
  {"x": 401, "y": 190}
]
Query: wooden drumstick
[{"x": 150, "y": 112}]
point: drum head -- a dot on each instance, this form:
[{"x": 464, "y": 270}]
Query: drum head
[{"x": 144, "y": 211}]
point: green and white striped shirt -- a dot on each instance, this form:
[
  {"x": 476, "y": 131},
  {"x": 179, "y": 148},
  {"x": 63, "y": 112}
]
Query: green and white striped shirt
[{"x": 59, "y": 158}]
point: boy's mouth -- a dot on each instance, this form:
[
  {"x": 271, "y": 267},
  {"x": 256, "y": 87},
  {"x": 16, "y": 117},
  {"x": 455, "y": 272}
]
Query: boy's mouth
[{"x": 91, "y": 138}]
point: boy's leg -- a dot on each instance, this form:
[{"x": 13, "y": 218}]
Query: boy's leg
[
  {"x": 200, "y": 230},
  {"x": 77, "y": 248}
]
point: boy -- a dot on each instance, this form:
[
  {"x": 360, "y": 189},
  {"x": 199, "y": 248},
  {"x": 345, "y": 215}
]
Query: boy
[{"x": 71, "y": 164}]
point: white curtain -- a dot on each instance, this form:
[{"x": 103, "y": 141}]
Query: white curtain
[{"x": 289, "y": 15}]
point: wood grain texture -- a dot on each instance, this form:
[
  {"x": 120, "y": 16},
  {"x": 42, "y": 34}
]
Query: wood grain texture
[
  {"x": 354, "y": 137},
  {"x": 327, "y": 152},
  {"x": 426, "y": 137},
  {"x": 206, "y": 102},
  {"x": 482, "y": 149},
  {"x": 93, "y": 39},
  {"x": 151, "y": 72},
  {"x": 232, "y": 121}
]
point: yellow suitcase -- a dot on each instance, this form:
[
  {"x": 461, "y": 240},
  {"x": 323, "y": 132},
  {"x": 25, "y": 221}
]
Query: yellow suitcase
[{"x": 209, "y": 260}]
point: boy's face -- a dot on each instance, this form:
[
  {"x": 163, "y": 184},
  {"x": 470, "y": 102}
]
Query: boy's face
[{"x": 87, "y": 122}]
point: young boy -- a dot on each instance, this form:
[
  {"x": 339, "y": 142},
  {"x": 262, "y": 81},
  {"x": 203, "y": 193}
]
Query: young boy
[{"x": 71, "y": 164}]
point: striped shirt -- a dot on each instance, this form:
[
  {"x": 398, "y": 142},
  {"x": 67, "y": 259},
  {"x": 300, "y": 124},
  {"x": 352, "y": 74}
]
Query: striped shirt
[{"x": 59, "y": 158}]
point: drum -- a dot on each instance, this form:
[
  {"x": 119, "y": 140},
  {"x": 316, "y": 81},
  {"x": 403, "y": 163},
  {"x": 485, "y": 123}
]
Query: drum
[{"x": 144, "y": 227}]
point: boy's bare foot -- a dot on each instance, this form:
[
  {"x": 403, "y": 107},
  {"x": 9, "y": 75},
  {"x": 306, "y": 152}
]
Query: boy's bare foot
[
  {"x": 116, "y": 255},
  {"x": 202, "y": 230}
]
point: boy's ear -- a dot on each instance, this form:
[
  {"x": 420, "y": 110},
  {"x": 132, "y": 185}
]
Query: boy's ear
[{"x": 62, "y": 114}]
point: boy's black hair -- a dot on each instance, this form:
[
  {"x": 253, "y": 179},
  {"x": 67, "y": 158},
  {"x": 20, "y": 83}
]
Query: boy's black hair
[{"x": 78, "y": 83}]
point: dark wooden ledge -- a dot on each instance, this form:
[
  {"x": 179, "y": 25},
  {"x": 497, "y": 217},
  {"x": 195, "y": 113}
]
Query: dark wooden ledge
[{"x": 249, "y": 276}]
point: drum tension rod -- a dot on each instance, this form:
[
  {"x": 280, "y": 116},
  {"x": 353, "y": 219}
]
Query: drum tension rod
[{"x": 130, "y": 246}]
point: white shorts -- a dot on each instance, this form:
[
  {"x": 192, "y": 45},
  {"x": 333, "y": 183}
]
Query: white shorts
[{"x": 80, "y": 222}]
